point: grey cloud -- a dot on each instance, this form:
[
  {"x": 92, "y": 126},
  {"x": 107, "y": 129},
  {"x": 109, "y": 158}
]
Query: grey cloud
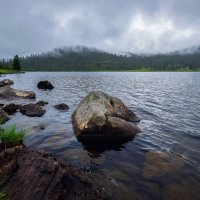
[{"x": 149, "y": 26}]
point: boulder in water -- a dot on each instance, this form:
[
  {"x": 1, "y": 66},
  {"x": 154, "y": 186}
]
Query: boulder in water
[
  {"x": 46, "y": 85},
  {"x": 32, "y": 110},
  {"x": 10, "y": 93},
  {"x": 6, "y": 82},
  {"x": 100, "y": 115}
]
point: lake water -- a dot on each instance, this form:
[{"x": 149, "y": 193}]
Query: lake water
[{"x": 169, "y": 107}]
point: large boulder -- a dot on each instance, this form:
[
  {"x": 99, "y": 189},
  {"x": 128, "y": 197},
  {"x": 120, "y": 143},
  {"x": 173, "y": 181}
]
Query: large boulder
[
  {"x": 32, "y": 110},
  {"x": 10, "y": 93},
  {"x": 46, "y": 85},
  {"x": 100, "y": 115},
  {"x": 6, "y": 82}
]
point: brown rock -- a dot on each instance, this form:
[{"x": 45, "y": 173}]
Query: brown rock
[
  {"x": 6, "y": 82},
  {"x": 32, "y": 110},
  {"x": 3, "y": 116},
  {"x": 46, "y": 85},
  {"x": 61, "y": 106},
  {"x": 11, "y": 108},
  {"x": 40, "y": 176}
]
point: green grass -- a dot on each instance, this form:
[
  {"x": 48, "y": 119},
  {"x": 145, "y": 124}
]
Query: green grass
[
  {"x": 3, "y": 196},
  {"x": 7, "y": 71},
  {"x": 10, "y": 136}
]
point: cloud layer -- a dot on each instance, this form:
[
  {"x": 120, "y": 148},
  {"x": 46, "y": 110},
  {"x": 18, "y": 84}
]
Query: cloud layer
[{"x": 140, "y": 26}]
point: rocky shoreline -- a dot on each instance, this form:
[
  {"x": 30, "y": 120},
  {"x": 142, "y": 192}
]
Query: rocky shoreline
[{"x": 32, "y": 175}]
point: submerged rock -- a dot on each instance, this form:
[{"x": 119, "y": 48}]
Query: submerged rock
[
  {"x": 46, "y": 85},
  {"x": 6, "y": 82},
  {"x": 38, "y": 175},
  {"x": 100, "y": 115},
  {"x": 10, "y": 93},
  {"x": 3, "y": 116},
  {"x": 61, "y": 106},
  {"x": 11, "y": 108},
  {"x": 159, "y": 163},
  {"x": 32, "y": 110}
]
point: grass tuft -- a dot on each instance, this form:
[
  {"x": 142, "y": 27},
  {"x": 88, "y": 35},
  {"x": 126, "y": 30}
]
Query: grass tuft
[
  {"x": 3, "y": 196},
  {"x": 11, "y": 136}
]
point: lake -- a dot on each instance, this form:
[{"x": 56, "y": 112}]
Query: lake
[{"x": 168, "y": 104}]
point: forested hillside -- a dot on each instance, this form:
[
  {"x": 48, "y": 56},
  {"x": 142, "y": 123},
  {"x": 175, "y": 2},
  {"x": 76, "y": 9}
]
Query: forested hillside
[{"x": 86, "y": 59}]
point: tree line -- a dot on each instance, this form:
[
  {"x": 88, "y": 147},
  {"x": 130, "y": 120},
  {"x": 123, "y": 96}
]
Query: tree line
[{"x": 93, "y": 60}]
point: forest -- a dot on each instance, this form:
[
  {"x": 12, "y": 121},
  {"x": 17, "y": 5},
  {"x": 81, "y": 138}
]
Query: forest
[{"x": 90, "y": 59}]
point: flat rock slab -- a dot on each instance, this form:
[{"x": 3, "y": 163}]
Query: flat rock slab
[
  {"x": 10, "y": 93},
  {"x": 38, "y": 175},
  {"x": 100, "y": 114}
]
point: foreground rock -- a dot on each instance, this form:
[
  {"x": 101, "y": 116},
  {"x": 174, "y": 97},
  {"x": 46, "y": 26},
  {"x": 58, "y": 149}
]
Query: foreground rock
[
  {"x": 10, "y": 93},
  {"x": 100, "y": 115},
  {"x": 3, "y": 116},
  {"x": 6, "y": 82},
  {"x": 46, "y": 85},
  {"x": 37, "y": 175},
  {"x": 61, "y": 106},
  {"x": 11, "y": 108},
  {"x": 32, "y": 110}
]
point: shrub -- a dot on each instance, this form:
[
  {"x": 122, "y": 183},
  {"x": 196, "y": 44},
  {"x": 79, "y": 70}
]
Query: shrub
[{"x": 3, "y": 196}]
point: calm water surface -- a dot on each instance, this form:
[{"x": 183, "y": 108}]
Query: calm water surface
[{"x": 167, "y": 103}]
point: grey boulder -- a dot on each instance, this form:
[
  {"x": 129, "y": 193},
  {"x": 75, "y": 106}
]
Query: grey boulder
[{"x": 100, "y": 115}]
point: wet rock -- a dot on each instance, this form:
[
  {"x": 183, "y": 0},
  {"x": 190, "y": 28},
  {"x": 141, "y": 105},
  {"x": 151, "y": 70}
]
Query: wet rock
[
  {"x": 46, "y": 85},
  {"x": 8, "y": 165},
  {"x": 100, "y": 115},
  {"x": 6, "y": 82},
  {"x": 186, "y": 189},
  {"x": 61, "y": 106},
  {"x": 32, "y": 110},
  {"x": 159, "y": 163},
  {"x": 42, "y": 103},
  {"x": 10, "y": 93},
  {"x": 3, "y": 116},
  {"x": 11, "y": 108},
  {"x": 38, "y": 175}
]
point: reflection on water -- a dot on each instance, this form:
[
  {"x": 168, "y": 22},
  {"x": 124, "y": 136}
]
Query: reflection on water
[{"x": 143, "y": 168}]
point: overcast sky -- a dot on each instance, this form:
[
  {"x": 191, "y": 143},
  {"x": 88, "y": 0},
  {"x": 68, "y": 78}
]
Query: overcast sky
[{"x": 139, "y": 26}]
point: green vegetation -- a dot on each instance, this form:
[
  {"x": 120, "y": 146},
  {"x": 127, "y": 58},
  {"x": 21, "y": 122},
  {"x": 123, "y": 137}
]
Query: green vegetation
[
  {"x": 85, "y": 59},
  {"x": 3, "y": 196},
  {"x": 10, "y": 136},
  {"x": 16, "y": 64}
]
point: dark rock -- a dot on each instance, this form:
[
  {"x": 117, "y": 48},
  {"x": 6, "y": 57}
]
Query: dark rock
[
  {"x": 38, "y": 175},
  {"x": 6, "y": 82},
  {"x": 32, "y": 110},
  {"x": 46, "y": 85},
  {"x": 42, "y": 103},
  {"x": 11, "y": 108},
  {"x": 100, "y": 115},
  {"x": 61, "y": 106},
  {"x": 3, "y": 116},
  {"x": 10, "y": 93}
]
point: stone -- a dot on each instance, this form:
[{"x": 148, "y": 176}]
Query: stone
[
  {"x": 32, "y": 110},
  {"x": 3, "y": 116},
  {"x": 11, "y": 108},
  {"x": 61, "y": 106},
  {"x": 10, "y": 93},
  {"x": 6, "y": 82},
  {"x": 101, "y": 115},
  {"x": 38, "y": 175},
  {"x": 46, "y": 85},
  {"x": 159, "y": 163}
]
